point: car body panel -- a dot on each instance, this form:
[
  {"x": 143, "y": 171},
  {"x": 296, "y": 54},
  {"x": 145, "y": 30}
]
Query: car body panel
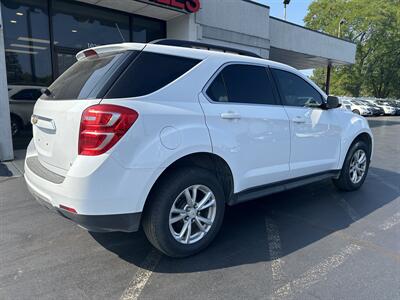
[{"x": 263, "y": 146}]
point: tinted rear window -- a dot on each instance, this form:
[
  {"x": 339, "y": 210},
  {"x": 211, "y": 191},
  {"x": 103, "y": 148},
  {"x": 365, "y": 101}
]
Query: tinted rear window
[
  {"x": 148, "y": 73},
  {"x": 86, "y": 78}
]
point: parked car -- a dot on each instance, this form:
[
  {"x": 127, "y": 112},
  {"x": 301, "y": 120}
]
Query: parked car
[
  {"x": 357, "y": 107},
  {"x": 389, "y": 110},
  {"x": 22, "y": 99},
  {"x": 165, "y": 137},
  {"x": 376, "y": 110}
]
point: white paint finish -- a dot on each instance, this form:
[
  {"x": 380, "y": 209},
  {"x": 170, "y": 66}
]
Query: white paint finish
[
  {"x": 316, "y": 273},
  {"x": 391, "y": 222},
  {"x": 256, "y": 145},
  {"x": 58, "y": 147},
  {"x": 284, "y": 35},
  {"x": 6, "y": 146},
  {"x": 170, "y": 137},
  {"x": 315, "y": 144},
  {"x": 142, "y": 276}
]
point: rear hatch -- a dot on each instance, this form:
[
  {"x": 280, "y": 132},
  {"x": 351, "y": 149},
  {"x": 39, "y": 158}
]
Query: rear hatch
[{"x": 57, "y": 113}]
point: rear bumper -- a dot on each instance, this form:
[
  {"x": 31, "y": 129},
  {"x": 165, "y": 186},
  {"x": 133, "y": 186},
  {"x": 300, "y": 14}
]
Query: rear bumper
[
  {"x": 95, "y": 223},
  {"x": 105, "y": 196}
]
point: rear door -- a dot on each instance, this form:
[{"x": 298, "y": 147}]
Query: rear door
[
  {"x": 247, "y": 127},
  {"x": 315, "y": 132},
  {"x": 57, "y": 114}
]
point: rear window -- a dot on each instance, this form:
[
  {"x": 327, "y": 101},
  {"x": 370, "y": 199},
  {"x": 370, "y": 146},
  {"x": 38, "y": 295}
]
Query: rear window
[
  {"x": 148, "y": 73},
  {"x": 87, "y": 78}
]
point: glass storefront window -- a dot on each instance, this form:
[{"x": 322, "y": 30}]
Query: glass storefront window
[
  {"x": 27, "y": 42},
  {"x": 79, "y": 27},
  {"x": 146, "y": 30}
]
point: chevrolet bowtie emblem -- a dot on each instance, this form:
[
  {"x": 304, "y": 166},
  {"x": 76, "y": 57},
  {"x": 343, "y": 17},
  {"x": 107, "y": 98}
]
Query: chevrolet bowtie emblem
[{"x": 34, "y": 119}]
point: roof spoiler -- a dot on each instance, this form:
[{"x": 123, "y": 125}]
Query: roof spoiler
[
  {"x": 107, "y": 49},
  {"x": 205, "y": 46}
]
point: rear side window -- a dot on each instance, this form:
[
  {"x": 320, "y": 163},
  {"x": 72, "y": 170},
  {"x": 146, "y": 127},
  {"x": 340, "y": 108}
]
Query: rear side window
[
  {"x": 242, "y": 84},
  {"x": 86, "y": 78},
  {"x": 148, "y": 73}
]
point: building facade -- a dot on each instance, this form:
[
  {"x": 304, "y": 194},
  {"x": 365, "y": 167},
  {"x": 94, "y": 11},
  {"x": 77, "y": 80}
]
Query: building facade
[{"x": 39, "y": 38}]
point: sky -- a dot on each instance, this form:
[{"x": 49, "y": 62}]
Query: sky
[{"x": 295, "y": 12}]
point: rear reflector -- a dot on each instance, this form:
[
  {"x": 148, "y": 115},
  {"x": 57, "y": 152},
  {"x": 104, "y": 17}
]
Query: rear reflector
[
  {"x": 69, "y": 209},
  {"x": 102, "y": 126}
]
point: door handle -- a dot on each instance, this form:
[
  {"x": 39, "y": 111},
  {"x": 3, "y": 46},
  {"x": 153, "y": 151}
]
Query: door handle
[
  {"x": 299, "y": 120},
  {"x": 230, "y": 115}
]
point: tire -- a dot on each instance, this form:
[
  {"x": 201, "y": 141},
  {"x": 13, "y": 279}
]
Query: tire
[
  {"x": 345, "y": 181},
  {"x": 171, "y": 192},
  {"x": 16, "y": 125},
  {"x": 357, "y": 112}
]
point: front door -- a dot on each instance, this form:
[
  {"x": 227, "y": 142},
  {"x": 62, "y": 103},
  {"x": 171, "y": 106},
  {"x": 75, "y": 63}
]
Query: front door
[
  {"x": 315, "y": 132},
  {"x": 247, "y": 127}
]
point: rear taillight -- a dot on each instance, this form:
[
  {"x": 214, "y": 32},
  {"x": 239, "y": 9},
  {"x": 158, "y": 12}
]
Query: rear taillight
[{"x": 102, "y": 126}]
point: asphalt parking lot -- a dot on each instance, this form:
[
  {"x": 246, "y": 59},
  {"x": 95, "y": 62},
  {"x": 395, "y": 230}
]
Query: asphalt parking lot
[{"x": 312, "y": 242}]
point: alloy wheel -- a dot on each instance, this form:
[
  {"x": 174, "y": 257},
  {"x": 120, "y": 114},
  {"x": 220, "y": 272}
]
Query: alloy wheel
[
  {"x": 358, "y": 166},
  {"x": 192, "y": 214}
]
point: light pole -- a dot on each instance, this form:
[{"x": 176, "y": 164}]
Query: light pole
[
  {"x": 285, "y": 2},
  {"x": 341, "y": 22}
]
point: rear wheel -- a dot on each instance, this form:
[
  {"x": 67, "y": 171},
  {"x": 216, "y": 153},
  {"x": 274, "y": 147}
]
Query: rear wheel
[
  {"x": 355, "y": 167},
  {"x": 185, "y": 212},
  {"x": 356, "y": 111}
]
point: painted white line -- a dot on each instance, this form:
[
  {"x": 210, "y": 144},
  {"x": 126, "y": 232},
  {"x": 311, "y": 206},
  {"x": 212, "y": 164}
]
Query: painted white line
[
  {"x": 392, "y": 221},
  {"x": 316, "y": 273},
  {"x": 348, "y": 209},
  {"x": 142, "y": 276},
  {"x": 275, "y": 253}
]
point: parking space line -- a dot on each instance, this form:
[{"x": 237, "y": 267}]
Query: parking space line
[
  {"x": 316, "y": 273},
  {"x": 275, "y": 254},
  {"x": 348, "y": 209},
  {"x": 142, "y": 276},
  {"x": 391, "y": 222}
]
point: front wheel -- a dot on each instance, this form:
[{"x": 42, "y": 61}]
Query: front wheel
[
  {"x": 355, "y": 167},
  {"x": 185, "y": 212},
  {"x": 356, "y": 111}
]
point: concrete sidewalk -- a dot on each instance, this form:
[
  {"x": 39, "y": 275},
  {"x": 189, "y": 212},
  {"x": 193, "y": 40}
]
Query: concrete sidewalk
[{"x": 14, "y": 168}]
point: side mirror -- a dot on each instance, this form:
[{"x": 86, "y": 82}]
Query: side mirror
[{"x": 332, "y": 102}]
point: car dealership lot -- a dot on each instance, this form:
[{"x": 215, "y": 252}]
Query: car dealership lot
[{"x": 308, "y": 243}]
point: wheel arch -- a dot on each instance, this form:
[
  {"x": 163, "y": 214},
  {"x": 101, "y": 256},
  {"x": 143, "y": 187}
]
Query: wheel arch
[
  {"x": 205, "y": 160},
  {"x": 361, "y": 136}
]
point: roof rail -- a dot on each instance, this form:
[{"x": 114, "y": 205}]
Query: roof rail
[{"x": 198, "y": 45}]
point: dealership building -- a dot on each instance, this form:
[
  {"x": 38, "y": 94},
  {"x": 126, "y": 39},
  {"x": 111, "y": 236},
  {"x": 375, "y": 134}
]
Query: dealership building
[{"x": 39, "y": 38}]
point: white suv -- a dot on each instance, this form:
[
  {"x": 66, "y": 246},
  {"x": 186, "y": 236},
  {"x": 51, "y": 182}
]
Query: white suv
[{"x": 166, "y": 136}]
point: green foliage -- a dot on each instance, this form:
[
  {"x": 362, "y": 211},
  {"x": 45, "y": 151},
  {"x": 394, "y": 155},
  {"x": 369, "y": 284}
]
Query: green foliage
[{"x": 374, "y": 25}]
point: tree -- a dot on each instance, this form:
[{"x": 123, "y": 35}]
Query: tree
[{"x": 375, "y": 27}]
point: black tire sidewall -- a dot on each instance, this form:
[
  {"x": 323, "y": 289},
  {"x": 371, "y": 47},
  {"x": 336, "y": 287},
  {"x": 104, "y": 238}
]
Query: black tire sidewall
[
  {"x": 162, "y": 202},
  {"x": 345, "y": 174}
]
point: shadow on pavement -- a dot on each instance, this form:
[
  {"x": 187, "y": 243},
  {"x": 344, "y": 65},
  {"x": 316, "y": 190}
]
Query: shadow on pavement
[{"x": 303, "y": 215}]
